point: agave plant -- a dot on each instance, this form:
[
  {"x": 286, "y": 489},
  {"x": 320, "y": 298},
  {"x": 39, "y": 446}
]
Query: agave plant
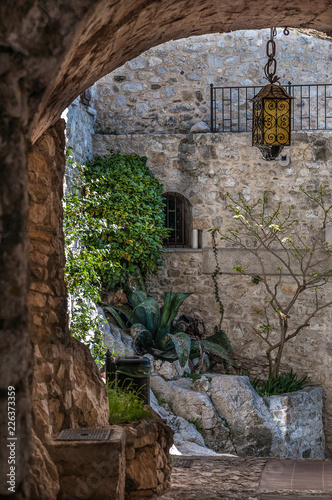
[{"x": 153, "y": 328}]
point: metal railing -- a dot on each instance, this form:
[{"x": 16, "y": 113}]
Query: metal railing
[{"x": 231, "y": 107}]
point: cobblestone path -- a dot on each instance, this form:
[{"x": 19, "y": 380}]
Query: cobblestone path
[{"x": 228, "y": 478}]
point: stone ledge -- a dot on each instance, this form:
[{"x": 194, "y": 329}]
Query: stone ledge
[
  {"x": 231, "y": 257},
  {"x": 183, "y": 250}
]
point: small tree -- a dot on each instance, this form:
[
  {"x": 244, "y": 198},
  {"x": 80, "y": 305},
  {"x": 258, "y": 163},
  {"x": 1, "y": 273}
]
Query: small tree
[{"x": 273, "y": 235}]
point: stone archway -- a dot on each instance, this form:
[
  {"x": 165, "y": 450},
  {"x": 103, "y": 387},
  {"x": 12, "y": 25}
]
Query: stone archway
[{"x": 50, "y": 52}]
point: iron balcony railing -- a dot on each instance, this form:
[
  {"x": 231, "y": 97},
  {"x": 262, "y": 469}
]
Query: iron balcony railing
[{"x": 231, "y": 107}]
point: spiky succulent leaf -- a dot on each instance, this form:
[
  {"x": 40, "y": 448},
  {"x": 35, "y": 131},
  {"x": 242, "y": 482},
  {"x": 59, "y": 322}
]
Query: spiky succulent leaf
[
  {"x": 116, "y": 316},
  {"x": 220, "y": 338},
  {"x": 172, "y": 304},
  {"x": 182, "y": 344},
  {"x": 142, "y": 336},
  {"x": 148, "y": 312},
  {"x": 216, "y": 350},
  {"x": 194, "y": 349},
  {"x": 127, "y": 311},
  {"x": 165, "y": 355}
]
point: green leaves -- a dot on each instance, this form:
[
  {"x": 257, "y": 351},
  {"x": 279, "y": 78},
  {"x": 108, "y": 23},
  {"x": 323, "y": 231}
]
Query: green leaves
[
  {"x": 117, "y": 209},
  {"x": 149, "y": 314},
  {"x": 182, "y": 344},
  {"x": 280, "y": 384},
  {"x": 172, "y": 304},
  {"x": 216, "y": 350},
  {"x": 153, "y": 330},
  {"x": 113, "y": 224},
  {"x": 87, "y": 330}
]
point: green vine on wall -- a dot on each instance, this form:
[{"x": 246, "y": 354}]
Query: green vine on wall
[
  {"x": 113, "y": 225},
  {"x": 217, "y": 272},
  {"x": 220, "y": 335}
]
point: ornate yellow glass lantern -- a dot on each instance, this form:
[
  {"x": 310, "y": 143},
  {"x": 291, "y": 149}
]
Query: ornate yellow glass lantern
[{"x": 271, "y": 124}]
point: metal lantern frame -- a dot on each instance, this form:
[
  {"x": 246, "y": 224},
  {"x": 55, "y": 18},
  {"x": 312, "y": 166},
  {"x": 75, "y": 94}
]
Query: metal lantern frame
[
  {"x": 271, "y": 123},
  {"x": 271, "y": 127}
]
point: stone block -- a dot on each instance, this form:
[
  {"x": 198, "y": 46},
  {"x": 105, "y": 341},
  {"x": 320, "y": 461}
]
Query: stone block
[
  {"x": 91, "y": 469},
  {"x": 299, "y": 417},
  {"x": 253, "y": 430}
]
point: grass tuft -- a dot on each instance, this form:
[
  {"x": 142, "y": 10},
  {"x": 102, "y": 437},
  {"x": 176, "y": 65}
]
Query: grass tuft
[
  {"x": 126, "y": 406},
  {"x": 278, "y": 385}
]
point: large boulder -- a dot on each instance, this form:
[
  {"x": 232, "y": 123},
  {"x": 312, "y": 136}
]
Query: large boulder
[
  {"x": 299, "y": 417},
  {"x": 253, "y": 430},
  {"x": 195, "y": 407},
  {"x": 187, "y": 439}
]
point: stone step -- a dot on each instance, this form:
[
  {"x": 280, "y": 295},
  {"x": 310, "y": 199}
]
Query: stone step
[{"x": 303, "y": 476}]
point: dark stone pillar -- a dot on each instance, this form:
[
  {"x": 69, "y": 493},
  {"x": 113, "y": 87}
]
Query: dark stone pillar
[{"x": 15, "y": 346}]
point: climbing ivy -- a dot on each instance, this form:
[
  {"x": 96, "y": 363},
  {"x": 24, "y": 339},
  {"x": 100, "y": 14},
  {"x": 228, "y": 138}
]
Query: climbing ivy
[
  {"x": 113, "y": 224},
  {"x": 217, "y": 272},
  {"x": 118, "y": 212}
]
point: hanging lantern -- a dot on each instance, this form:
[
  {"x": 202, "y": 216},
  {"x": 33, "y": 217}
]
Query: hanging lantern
[{"x": 271, "y": 124}]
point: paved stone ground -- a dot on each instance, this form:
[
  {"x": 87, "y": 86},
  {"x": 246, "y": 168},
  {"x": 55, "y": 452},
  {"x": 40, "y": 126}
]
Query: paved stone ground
[{"x": 228, "y": 478}]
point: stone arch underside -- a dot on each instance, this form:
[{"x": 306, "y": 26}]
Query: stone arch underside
[
  {"x": 50, "y": 52},
  {"x": 65, "y": 47}
]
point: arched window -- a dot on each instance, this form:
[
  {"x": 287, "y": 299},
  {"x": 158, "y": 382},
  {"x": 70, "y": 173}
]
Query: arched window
[{"x": 178, "y": 219}]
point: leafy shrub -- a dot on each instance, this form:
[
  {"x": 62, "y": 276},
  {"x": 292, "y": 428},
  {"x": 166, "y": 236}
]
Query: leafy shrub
[
  {"x": 117, "y": 212},
  {"x": 278, "y": 385},
  {"x": 153, "y": 330},
  {"x": 88, "y": 330},
  {"x": 125, "y": 406},
  {"x": 82, "y": 277},
  {"x": 113, "y": 221}
]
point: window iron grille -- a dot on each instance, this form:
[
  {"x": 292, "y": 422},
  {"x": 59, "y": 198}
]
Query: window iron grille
[
  {"x": 175, "y": 220},
  {"x": 231, "y": 107}
]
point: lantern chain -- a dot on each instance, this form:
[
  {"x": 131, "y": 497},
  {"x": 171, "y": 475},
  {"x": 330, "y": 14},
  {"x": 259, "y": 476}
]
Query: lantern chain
[{"x": 270, "y": 68}]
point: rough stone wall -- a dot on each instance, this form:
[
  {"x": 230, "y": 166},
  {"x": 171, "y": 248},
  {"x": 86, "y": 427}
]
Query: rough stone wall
[
  {"x": 203, "y": 167},
  {"x": 67, "y": 391},
  {"x": 148, "y": 463},
  {"x": 80, "y": 121},
  {"x": 167, "y": 88}
]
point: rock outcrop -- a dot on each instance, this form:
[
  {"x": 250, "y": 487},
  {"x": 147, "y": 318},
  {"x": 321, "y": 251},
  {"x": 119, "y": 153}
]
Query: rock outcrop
[
  {"x": 253, "y": 430},
  {"x": 195, "y": 407},
  {"x": 230, "y": 415},
  {"x": 187, "y": 439},
  {"x": 299, "y": 417}
]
